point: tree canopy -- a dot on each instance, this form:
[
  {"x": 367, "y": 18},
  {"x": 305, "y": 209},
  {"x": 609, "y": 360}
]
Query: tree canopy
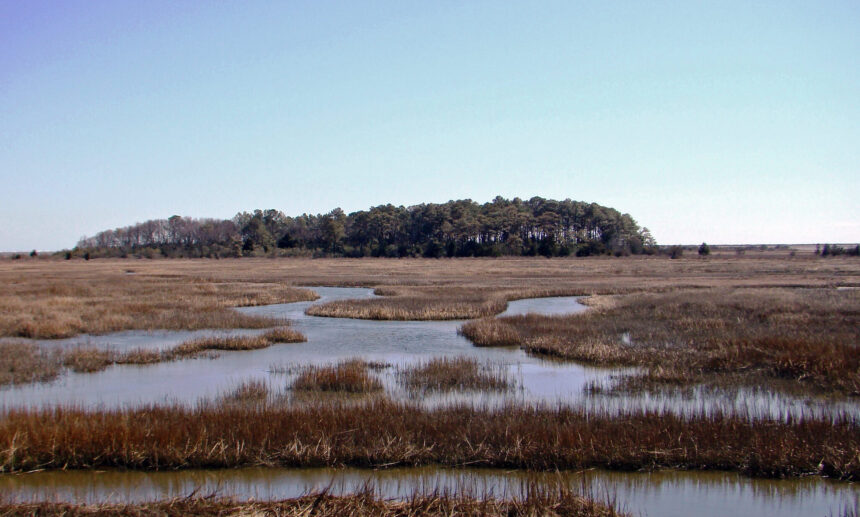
[{"x": 461, "y": 228}]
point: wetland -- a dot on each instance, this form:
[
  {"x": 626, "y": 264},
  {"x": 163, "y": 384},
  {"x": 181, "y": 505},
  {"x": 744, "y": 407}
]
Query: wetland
[{"x": 413, "y": 403}]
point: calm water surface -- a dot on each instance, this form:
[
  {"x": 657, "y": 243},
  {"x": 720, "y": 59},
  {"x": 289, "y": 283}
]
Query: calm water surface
[
  {"x": 329, "y": 340},
  {"x": 664, "y": 493}
]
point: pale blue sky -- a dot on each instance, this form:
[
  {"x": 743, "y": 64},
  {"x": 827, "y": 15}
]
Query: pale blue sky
[{"x": 725, "y": 122}]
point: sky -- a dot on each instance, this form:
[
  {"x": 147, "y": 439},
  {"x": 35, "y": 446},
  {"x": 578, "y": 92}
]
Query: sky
[{"x": 724, "y": 122}]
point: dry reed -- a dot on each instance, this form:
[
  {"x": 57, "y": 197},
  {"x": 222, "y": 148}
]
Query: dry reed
[
  {"x": 490, "y": 332},
  {"x": 49, "y": 299},
  {"x": 384, "y": 433},
  {"x": 234, "y": 343},
  {"x": 345, "y": 377},
  {"x": 428, "y": 303},
  {"x": 251, "y": 391},
  {"x": 753, "y": 336},
  {"x": 25, "y": 362},
  {"x": 88, "y": 359},
  {"x": 55, "y": 298},
  {"x": 457, "y": 373}
]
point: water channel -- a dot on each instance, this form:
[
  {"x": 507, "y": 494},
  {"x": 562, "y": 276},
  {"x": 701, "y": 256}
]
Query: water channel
[
  {"x": 661, "y": 493},
  {"x": 398, "y": 343},
  {"x": 401, "y": 343}
]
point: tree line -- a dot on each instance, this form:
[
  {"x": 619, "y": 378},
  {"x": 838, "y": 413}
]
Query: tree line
[{"x": 461, "y": 228}]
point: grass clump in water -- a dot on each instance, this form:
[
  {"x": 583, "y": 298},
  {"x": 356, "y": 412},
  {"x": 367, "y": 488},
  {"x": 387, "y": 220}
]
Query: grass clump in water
[
  {"x": 230, "y": 343},
  {"x": 345, "y": 377},
  {"x": 450, "y": 374},
  {"x": 252, "y": 391}
]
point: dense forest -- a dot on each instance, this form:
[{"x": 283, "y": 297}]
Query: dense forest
[{"x": 460, "y": 228}]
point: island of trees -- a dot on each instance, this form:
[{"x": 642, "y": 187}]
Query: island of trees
[{"x": 461, "y": 228}]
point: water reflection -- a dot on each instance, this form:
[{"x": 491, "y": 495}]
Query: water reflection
[{"x": 665, "y": 493}]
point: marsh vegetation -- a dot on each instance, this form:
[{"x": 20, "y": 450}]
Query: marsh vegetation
[
  {"x": 786, "y": 322},
  {"x": 454, "y": 374},
  {"x": 22, "y": 362},
  {"x": 349, "y": 376},
  {"x": 55, "y": 300},
  {"x": 800, "y": 339},
  {"x": 384, "y": 433}
]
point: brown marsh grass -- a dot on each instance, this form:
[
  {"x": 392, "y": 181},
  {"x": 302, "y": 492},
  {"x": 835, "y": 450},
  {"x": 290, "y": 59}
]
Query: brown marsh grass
[
  {"x": 490, "y": 332},
  {"x": 252, "y": 391},
  {"x": 284, "y": 334},
  {"x": 194, "y": 347},
  {"x": 51, "y": 299},
  {"x": 57, "y": 298},
  {"x": 26, "y": 362},
  {"x": 415, "y": 304},
  {"x": 538, "y": 502},
  {"x": 383, "y": 433},
  {"x": 456, "y": 373},
  {"x": 809, "y": 337},
  {"x": 345, "y": 377},
  {"x": 88, "y": 359}
]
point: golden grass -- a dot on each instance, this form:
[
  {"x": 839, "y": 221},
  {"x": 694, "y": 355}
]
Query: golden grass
[
  {"x": 384, "y": 433},
  {"x": 747, "y": 336},
  {"x": 457, "y": 373},
  {"x": 221, "y": 343},
  {"x": 194, "y": 347},
  {"x": 490, "y": 332},
  {"x": 345, "y": 377},
  {"x": 538, "y": 502},
  {"x": 284, "y": 334},
  {"x": 50, "y": 299},
  {"x": 415, "y": 304},
  {"x": 56, "y": 298}
]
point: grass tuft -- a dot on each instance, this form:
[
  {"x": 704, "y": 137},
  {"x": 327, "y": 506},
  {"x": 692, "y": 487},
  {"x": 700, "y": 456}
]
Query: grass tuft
[
  {"x": 345, "y": 377},
  {"x": 458, "y": 373}
]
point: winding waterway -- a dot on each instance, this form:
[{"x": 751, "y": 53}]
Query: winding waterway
[
  {"x": 402, "y": 343},
  {"x": 398, "y": 343}
]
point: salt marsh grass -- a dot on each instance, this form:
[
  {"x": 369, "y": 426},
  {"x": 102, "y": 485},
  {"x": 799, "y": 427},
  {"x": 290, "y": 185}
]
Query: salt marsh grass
[
  {"x": 349, "y": 376},
  {"x": 454, "y": 374},
  {"x": 26, "y": 362},
  {"x": 801, "y": 338},
  {"x": 22, "y": 362},
  {"x": 56, "y": 299},
  {"x": 384, "y": 433}
]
